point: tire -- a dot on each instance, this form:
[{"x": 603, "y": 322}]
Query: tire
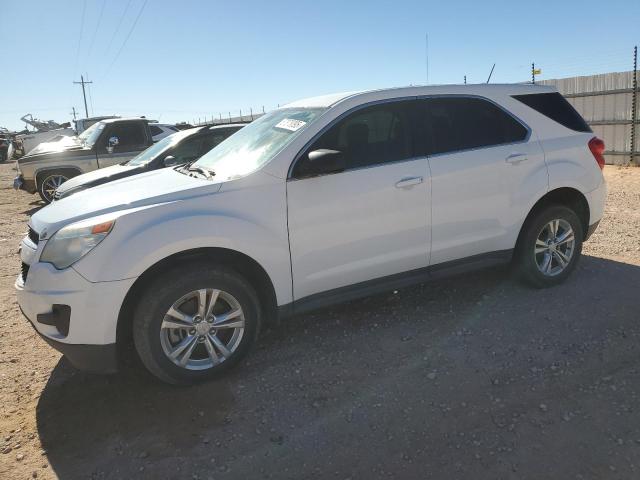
[
  {"x": 177, "y": 290},
  {"x": 49, "y": 181},
  {"x": 542, "y": 259}
]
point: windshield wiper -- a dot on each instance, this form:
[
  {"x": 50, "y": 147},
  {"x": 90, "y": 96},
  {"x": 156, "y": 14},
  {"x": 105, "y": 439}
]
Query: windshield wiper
[
  {"x": 204, "y": 171},
  {"x": 186, "y": 168}
]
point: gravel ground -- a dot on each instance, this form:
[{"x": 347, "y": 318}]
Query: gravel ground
[{"x": 470, "y": 377}]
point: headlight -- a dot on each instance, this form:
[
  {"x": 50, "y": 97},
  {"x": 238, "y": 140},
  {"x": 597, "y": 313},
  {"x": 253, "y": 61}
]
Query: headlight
[{"x": 71, "y": 243}]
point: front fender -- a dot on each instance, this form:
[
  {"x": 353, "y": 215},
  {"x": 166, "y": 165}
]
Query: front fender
[{"x": 141, "y": 239}]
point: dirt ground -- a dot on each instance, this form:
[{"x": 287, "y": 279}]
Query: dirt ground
[{"x": 470, "y": 377}]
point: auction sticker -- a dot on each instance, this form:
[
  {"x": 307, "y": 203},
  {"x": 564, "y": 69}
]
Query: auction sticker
[{"x": 291, "y": 124}]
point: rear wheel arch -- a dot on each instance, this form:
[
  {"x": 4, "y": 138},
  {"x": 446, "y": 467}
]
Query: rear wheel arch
[
  {"x": 246, "y": 266},
  {"x": 565, "y": 196}
]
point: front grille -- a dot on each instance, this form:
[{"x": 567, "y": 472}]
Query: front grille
[
  {"x": 33, "y": 236},
  {"x": 25, "y": 271}
]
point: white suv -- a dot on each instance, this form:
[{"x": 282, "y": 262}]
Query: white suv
[{"x": 323, "y": 200}]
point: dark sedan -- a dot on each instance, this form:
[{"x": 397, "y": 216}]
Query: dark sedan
[{"x": 182, "y": 147}]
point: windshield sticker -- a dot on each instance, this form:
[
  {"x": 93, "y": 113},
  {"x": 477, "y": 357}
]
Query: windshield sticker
[{"x": 291, "y": 124}]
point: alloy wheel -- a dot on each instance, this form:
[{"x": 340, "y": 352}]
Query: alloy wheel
[
  {"x": 554, "y": 247},
  {"x": 50, "y": 184},
  {"x": 202, "y": 329}
]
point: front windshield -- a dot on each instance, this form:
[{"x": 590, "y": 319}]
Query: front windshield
[
  {"x": 159, "y": 148},
  {"x": 91, "y": 134},
  {"x": 256, "y": 144}
]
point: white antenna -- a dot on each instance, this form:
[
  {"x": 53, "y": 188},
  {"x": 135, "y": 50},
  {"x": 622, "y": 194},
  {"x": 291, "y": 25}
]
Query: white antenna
[{"x": 426, "y": 39}]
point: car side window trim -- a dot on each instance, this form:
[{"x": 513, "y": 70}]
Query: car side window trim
[{"x": 338, "y": 119}]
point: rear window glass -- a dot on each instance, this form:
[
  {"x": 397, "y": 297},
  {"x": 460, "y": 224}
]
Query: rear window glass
[{"x": 555, "y": 107}]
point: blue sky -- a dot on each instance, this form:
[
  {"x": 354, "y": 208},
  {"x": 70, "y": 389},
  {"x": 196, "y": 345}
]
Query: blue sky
[{"x": 187, "y": 59}]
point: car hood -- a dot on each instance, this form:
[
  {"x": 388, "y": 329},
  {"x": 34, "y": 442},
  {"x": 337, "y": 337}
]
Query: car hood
[
  {"x": 146, "y": 189},
  {"x": 98, "y": 177},
  {"x": 54, "y": 149}
]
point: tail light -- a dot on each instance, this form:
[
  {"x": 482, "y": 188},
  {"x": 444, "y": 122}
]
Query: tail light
[{"x": 596, "y": 146}]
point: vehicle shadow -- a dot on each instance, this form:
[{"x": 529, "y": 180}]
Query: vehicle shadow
[
  {"x": 37, "y": 205},
  {"x": 130, "y": 425}
]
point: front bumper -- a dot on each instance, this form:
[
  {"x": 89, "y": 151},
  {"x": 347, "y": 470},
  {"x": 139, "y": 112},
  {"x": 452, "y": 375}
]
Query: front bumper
[
  {"x": 19, "y": 183},
  {"x": 89, "y": 358},
  {"x": 87, "y": 336}
]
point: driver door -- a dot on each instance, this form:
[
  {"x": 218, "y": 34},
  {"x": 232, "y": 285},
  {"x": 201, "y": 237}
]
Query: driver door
[{"x": 371, "y": 220}]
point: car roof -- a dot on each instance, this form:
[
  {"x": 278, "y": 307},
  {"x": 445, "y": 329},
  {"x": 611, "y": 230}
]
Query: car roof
[
  {"x": 124, "y": 119},
  {"x": 326, "y": 101},
  {"x": 227, "y": 125}
]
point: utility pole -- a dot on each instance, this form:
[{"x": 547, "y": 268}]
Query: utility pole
[
  {"x": 634, "y": 102},
  {"x": 83, "y": 83},
  {"x": 465, "y": 79},
  {"x": 73, "y": 111}
]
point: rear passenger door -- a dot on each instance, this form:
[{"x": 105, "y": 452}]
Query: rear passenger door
[
  {"x": 370, "y": 220},
  {"x": 485, "y": 169}
]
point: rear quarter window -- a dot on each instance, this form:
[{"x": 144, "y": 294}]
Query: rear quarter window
[{"x": 557, "y": 108}]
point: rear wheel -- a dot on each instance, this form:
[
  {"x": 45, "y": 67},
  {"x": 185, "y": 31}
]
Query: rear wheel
[
  {"x": 50, "y": 182},
  {"x": 195, "y": 322},
  {"x": 549, "y": 247}
]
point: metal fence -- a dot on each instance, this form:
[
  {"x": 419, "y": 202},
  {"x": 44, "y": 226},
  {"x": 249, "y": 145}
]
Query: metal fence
[{"x": 605, "y": 101}]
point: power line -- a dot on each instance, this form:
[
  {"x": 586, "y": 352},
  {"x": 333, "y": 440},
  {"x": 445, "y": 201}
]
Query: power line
[
  {"x": 135, "y": 22},
  {"x": 84, "y": 9},
  {"x": 115, "y": 32},
  {"x": 95, "y": 32}
]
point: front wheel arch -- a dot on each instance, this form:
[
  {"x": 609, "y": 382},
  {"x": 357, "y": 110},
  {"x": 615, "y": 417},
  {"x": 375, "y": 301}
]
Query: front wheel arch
[
  {"x": 243, "y": 264},
  {"x": 41, "y": 175}
]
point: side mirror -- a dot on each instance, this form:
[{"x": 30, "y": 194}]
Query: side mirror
[
  {"x": 113, "y": 142},
  {"x": 170, "y": 161},
  {"x": 322, "y": 162}
]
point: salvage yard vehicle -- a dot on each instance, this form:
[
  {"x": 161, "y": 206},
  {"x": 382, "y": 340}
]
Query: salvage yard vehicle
[
  {"x": 323, "y": 200},
  {"x": 182, "y": 147},
  {"x": 105, "y": 143}
]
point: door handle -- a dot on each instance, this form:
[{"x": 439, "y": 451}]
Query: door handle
[
  {"x": 516, "y": 158},
  {"x": 408, "y": 182}
]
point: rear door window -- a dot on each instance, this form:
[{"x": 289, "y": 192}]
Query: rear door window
[
  {"x": 155, "y": 130},
  {"x": 461, "y": 123}
]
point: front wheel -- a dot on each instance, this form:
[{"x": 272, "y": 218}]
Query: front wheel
[
  {"x": 195, "y": 322},
  {"x": 50, "y": 182},
  {"x": 549, "y": 247}
]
